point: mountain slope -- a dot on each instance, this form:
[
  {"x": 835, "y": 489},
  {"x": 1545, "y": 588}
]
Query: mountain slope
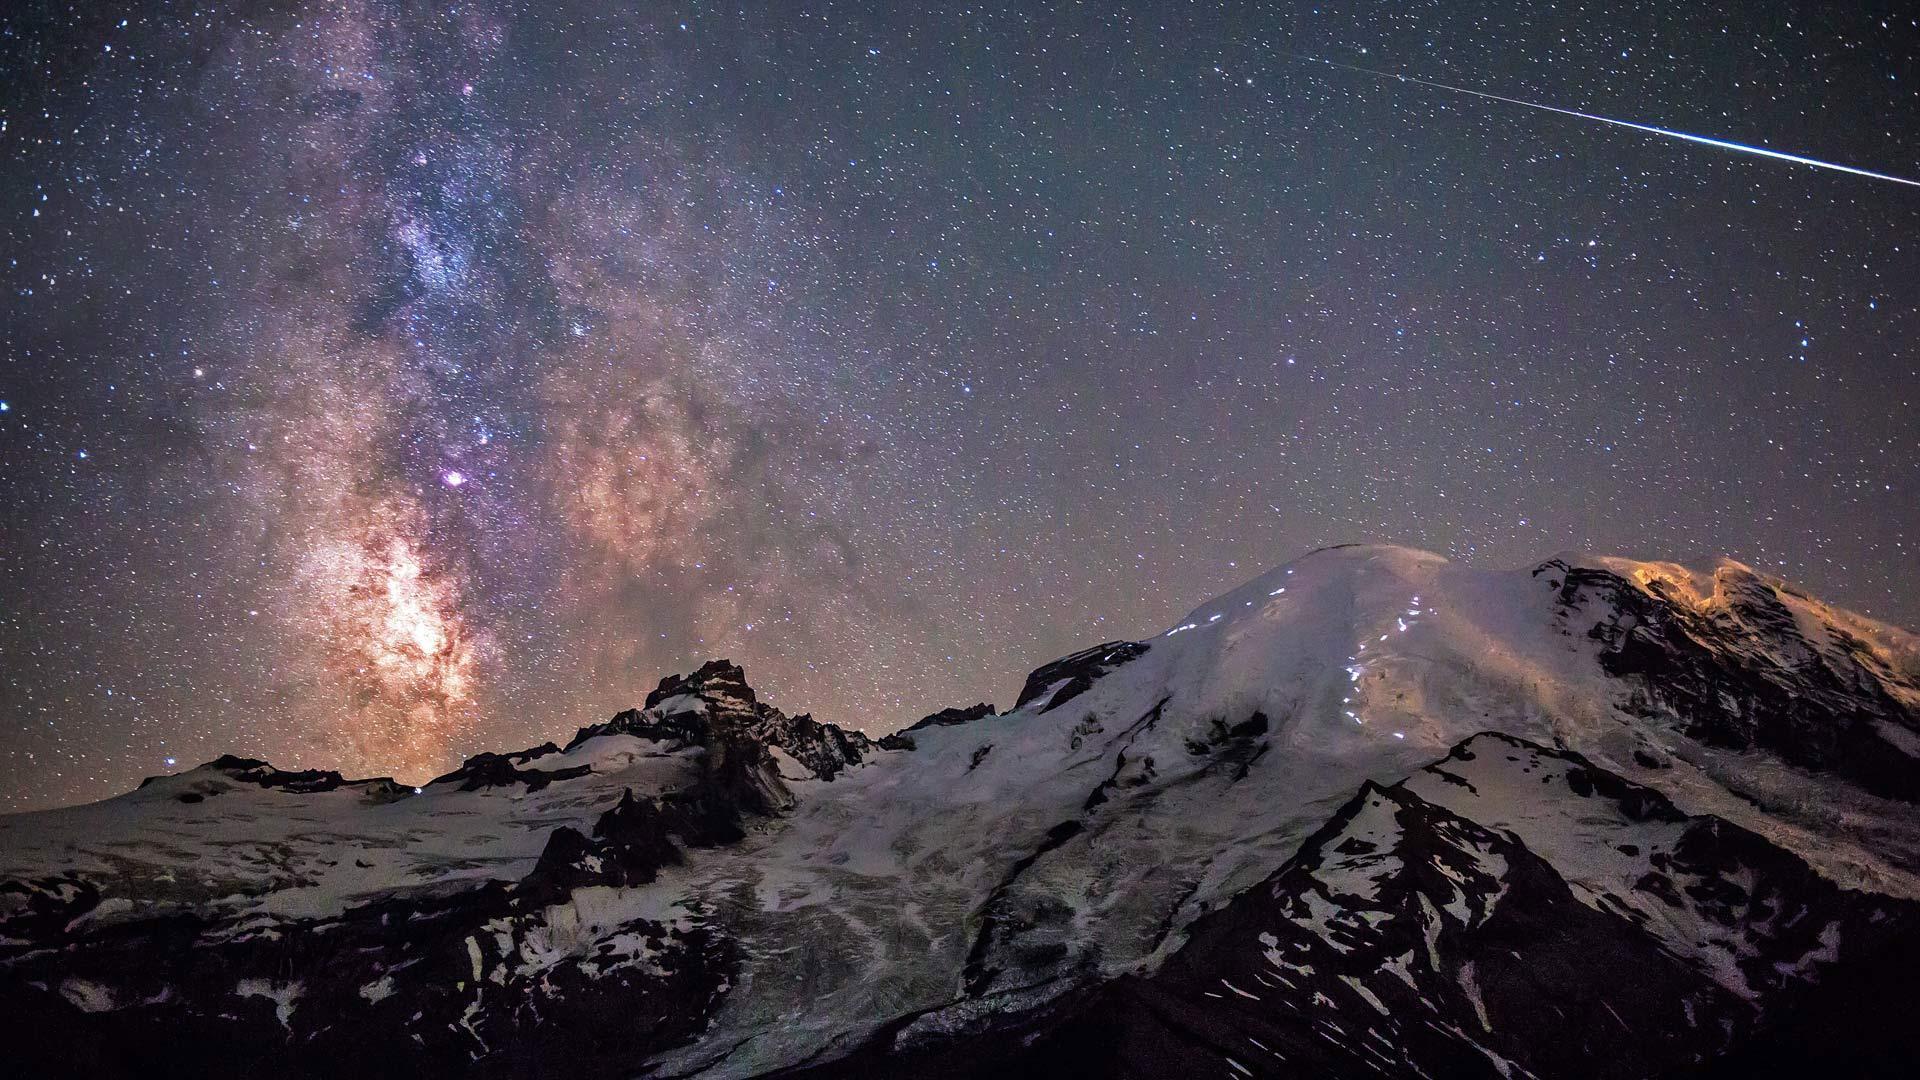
[
  {"x": 1510, "y": 910},
  {"x": 757, "y": 892}
]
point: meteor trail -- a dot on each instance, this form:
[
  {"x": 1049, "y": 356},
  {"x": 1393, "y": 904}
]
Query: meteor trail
[{"x": 1703, "y": 140}]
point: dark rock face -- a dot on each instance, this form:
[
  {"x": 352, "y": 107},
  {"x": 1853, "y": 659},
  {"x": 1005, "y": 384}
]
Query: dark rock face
[
  {"x": 1509, "y": 910},
  {"x": 1496, "y": 953},
  {"x": 1857, "y": 1022},
  {"x": 825, "y": 749},
  {"x": 253, "y": 771},
  {"x": 1220, "y": 732},
  {"x": 307, "y": 781},
  {"x": 715, "y": 679},
  {"x": 1739, "y": 672},
  {"x": 1070, "y": 676},
  {"x": 426, "y": 987},
  {"x": 999, "y": 918},
  {"x": 903, "y": 739},
  {"x": 40, "y": 909},
  {"x": 1405, "y": 939},
  {"x": 474, "y": 978},
  {"x": 688, "y": 727},
  {"x": 503, "y": 770},
  {"x": 630, "y": 844},
  {"x": 716, "y": 704},
  {"x": 954, "y": 717}
]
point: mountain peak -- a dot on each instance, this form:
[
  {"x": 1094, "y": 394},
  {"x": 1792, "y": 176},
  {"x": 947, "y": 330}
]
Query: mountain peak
[
  {"x": 715, "y": 703},
  {"x": 715, "y": 679},
  {"x": 1371, "y": 805}
]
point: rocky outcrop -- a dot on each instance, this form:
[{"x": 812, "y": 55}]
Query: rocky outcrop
[
  {"x": 1737, "y": 668},
  {"x": 903, "y": 739},
  {"x": 466, "y": 983},
  {"x": 715, "y": 704},
  {"x": 503, "y": 770},
  {"x": 1277, "y": 847},
  {"x": 1070, "y": 676},
  {"x": 1406, "y": 939},
  {"x": 223, "y": 773},
  {"x": 483, "y": 976},
  {"x": 953, "y": 717}
]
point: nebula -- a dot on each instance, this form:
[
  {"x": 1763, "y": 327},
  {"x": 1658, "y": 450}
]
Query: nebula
[
  {"x": 383, "y": 383},
  {"x": 514, "y": 405},
  {"x": 392, "y": 638}
]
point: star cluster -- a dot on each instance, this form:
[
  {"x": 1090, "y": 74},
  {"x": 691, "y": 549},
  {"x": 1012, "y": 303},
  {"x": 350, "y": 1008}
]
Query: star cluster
[{"x": 381, "y": 382}]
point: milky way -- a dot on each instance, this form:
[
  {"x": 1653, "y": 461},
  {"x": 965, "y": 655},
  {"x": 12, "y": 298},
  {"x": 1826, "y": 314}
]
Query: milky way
[{"x": 386, "y": 382}]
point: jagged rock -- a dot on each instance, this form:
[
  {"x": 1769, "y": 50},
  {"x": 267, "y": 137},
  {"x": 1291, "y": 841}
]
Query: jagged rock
[
  {"x": 630, "y": 843},
  {"x": 1735, "y": 669},
  {"x": 687, "y": 727},
  {"x": 903, "y": 739},
  {"x": 824, "y": 749},
  {"x": 1369, "y": 814},
  {"x": 1071, "y": 676},
  {"x": 954, "y": 717},
  {"x": 716, "y": 702},
  {"x": 1407, "y": 939},
  {"x": 717, "y": 680},
  {"x": 41, "y": 909},
  {"x": 502, "y": 770},
  {"x": 225, "y": 772}
]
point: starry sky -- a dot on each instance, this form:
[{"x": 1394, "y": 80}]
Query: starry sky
[{"x": 385, "y": 381}]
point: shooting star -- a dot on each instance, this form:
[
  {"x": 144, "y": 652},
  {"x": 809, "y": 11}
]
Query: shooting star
[{"x": 1649, "y": 129}]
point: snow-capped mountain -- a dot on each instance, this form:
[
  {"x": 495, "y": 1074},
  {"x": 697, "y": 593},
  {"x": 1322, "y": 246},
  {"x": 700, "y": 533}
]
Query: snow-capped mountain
[{"x": 1370, "y": 814}]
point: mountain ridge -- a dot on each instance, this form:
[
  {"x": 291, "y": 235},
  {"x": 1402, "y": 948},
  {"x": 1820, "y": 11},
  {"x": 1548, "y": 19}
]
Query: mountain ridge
[{"x": 772, "y": 893}]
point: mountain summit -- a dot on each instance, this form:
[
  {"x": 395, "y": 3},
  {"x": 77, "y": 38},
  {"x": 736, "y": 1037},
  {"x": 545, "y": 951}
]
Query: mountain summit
[{"x": 1369, "y": 814}]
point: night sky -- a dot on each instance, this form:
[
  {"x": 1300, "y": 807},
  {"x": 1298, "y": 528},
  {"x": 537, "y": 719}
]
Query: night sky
[{"x": 386, "y": 382}]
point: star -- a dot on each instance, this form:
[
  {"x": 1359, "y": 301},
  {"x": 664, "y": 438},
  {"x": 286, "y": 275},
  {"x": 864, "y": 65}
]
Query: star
[{"x": 547, "y": 371}]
